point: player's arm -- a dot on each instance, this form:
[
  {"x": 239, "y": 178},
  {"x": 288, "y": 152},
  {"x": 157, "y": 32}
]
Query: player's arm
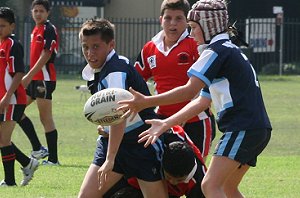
[
  {"x": 44, "y": 58},
  {"x": 176, "y": 95},
  {"x": 116, "y": 134},
  {"x": 158, "y": 127}
]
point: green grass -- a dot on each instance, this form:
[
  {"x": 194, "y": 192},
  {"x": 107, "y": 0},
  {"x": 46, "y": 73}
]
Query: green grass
[{"x": 277, "y": 174}]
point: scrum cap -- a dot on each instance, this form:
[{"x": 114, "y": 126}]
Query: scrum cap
[{"x": 211, "y": 15}]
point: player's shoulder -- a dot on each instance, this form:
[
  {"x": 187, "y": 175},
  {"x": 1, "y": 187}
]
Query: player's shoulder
[{"x": 15, "y": 43}]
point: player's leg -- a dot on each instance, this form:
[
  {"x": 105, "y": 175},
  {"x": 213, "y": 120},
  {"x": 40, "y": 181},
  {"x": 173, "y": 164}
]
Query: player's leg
[
  {"x": 159, "y": 187},
  {"x": 89, "y": 186},
  {"x": 46, "y": 117},
  {"x": 7, "y": 152},
  {"x": 44, "y": 103},
  {"x": 232, "y": 183},
  {"x": 220, "y": 169},
  {"x": 29, "y": 165},
  {"x": 38, "y": 151}
]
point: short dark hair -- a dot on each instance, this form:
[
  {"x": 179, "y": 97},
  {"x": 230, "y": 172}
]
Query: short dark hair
[
  {"x": 183, "y": 5},
  {"x": 178, "y": 159},
  {"x": 44, "y": 3},
  {"x": 100, "y": 26},
  {"x": 7, "y": 14}
]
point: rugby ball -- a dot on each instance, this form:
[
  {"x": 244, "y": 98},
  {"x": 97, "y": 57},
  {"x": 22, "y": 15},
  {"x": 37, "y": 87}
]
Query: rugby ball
[{"x": 101, "y": 107}]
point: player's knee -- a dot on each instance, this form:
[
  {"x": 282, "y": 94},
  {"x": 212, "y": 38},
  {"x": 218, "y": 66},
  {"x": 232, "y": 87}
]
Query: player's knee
[{"x": 208, "y": 186}]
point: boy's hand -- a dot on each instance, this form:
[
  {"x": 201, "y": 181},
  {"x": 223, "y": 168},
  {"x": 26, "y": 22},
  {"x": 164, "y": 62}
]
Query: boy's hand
[
  {"x": 157, "y": 128},
  {"x": 134, "y": 105},
  {"x": 103, "y": 172}
]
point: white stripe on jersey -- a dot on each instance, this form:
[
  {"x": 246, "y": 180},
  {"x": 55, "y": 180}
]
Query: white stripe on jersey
[
  {"x": 115, "y": 80},
  {"x": 45, "y": 73},
  {"x": 220, "y": 94}
]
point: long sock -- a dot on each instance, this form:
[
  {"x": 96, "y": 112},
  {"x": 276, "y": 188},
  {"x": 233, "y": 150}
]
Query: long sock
[
  {"x": 51, "y": 138},
  {"x": 20, "y": 156},
  {"x": 30, "y": 132},
  {"x": 8, "y": 161}
]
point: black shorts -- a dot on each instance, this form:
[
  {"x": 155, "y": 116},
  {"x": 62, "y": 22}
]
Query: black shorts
[
  {"x": 41, "y": 89},
  {"x": 202, "y": 134},
  {"x": 13, "y": 112},
  {"x": 243, "y": 146}
]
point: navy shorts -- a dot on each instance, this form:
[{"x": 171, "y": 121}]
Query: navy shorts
[
  {"x": 101, "y": 150},
  {"x": 132, "y": 159},
  {"x": 41, "y": 89},
  {"x": 243, "y": 146},
  {"x": 13, "y": 112}
]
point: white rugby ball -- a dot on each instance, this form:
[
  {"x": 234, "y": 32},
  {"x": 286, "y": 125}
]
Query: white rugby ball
[{"x": 101, "y": 107}]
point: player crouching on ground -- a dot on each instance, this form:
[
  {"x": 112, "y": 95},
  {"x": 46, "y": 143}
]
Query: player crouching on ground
[{"x": 182, "y": 165}]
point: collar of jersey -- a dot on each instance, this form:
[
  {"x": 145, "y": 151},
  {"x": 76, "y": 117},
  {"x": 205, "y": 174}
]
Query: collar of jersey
[
  {"x": 158, "y": 40},
  {"x": 191, "y": 174},
  {"x": 219, "y": 37}
]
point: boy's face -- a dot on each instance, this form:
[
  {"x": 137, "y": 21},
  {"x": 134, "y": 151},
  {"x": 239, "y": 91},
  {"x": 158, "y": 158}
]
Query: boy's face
[
  {"x": 174, "y": 180},
  {"x": 39, "y": 14},
  {"x": 95, "y": 50},
  {"x": 196, "y": 32},
  {"x": 174, "y": 23},
  {"x": 6, "y": 28}
]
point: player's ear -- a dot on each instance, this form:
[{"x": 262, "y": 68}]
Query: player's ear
[
  {"x": 160, "y": 20},
  {"x": 112, "y": 44},
  {"x": 12, "y": 27}
]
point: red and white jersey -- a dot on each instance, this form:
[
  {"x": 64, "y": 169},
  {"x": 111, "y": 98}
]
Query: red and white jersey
[
  {"x": 11, "y": 62},
  {"x": 168, "y": 68},
  {"x": 44, "y": 37}
]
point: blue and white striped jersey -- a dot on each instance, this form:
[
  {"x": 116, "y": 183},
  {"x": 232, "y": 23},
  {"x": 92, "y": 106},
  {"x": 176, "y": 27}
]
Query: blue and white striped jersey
[{"x": 233, "y": 85}]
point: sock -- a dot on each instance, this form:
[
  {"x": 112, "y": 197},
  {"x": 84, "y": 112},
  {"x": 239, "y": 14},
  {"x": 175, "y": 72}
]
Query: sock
[
  {"x": 30, "y": 132},
  {"x": 8, "y": 161},
  {"x": 51, "y": 138},
  {"x": 20, "y": 156}
]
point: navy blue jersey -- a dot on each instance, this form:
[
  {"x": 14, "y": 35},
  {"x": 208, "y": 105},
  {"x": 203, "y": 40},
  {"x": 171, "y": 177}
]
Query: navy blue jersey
[
  {"x": 117, "y": 72},
  {"x": 233, "y": 85}
]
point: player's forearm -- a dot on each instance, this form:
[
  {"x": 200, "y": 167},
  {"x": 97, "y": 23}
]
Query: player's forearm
[
  {"x": 190, "y": 110},
  {"x": 176, "y": 95},
  {"x": 15, "y": 83},
  {"x": 44, "y": 58},
  {"x": 116, "y": 134}
]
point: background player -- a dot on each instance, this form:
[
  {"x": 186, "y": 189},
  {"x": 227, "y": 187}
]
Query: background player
[
  {"x": 166, "y": 59},
  {"x": 41, "y": 81},
  {"x": 12, "y": 100},
  {"x": 236, "y": 96}
]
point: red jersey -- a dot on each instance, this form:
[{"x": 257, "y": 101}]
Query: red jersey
[
  {"x": 168, "y": 68},
  {"x": 44, "y": 37},
  {"x": 11, "y": 62},
  {"x": 177, "y": 133}
]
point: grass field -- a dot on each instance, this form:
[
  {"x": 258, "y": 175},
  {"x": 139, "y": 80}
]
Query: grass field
[{"x": 277, "y": 174}]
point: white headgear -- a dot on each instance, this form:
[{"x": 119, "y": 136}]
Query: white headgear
[{"x": 211, "y": 15}]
